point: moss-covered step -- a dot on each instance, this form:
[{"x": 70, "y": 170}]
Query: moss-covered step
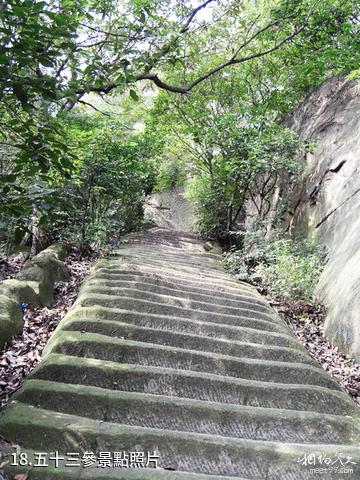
[
  {"x": 163, "y": 351},
  {"x": 181, "y": 414},
  {"x": 192, "y": 341},
  {"x": 46, "y": 431},
  {"x": 145, "y": 284},
  {"x": 193, "y": 384},
  {"x": 92, "y": 345},
  {"x": 238, "y": 332},
  {"x": 178, "y": 283}
]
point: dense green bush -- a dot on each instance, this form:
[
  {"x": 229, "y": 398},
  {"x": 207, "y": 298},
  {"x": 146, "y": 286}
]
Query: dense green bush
[
  {"x": 285, "y": 266},
  {"x": 241, "y": 68},
  {"x": 243, "y": 173},
  {"x": 106, "y": 194},
  {"x": 101, "y": 199},
  {"x": 169, "y": 175}
]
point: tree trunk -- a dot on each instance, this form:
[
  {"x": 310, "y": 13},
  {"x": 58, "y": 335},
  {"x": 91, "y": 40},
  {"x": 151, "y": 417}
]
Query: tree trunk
[{"x": 38, "y": 236}]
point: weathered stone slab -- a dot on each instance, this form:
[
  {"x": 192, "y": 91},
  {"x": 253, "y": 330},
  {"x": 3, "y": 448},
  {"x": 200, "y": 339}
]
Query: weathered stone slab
[
  {"x": 172, "y": 355},
  {"x": 42, "y": 271},
  {"x": 38, "y": 279},
  {"x": 327, "y": 206}
]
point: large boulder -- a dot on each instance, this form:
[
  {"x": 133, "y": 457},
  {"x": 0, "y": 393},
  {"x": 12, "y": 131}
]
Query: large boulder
[
  {"x": 170, "y": 209},
  {"x": 33, "y": 286},
  {"x": 42, "y": 271},
  {"x": 59, "y": 250},
  {"x": 39, "y": 280},
  {"x": 54, "y": 268},
  {"x": 20, "y": 291},
  {"x": 11, "y": 319}
]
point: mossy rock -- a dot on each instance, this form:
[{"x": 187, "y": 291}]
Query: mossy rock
[
  {"x": 39, "y": 280},
  {"x": 11, "y": 319},
  {"x": 43, "y": 271},
  {"x": 59, "y": 250},
  {"x": 19, "y": 291},
  {"x": 32, "y": 272},
  {"x": 208, "y": 246},
  {"x": 54, "y": 268}
]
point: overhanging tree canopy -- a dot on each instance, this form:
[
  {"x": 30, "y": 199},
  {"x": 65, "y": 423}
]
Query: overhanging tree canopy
[{"x": 53, "y": 53}]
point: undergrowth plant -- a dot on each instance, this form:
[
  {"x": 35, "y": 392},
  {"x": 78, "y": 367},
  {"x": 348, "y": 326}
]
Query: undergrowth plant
[{"x": 286, "y": 266}]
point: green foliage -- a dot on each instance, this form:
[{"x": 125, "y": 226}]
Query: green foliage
[
  {"x": 106, "y": 193},
  {"x": 104, "y": 196},
  {"x": 236, "y": 159},
  {"x": 170, "y": 174},
  {"x": 237, "y": 153},
  {"x": 280, "y": 264},
  {"x": 171, "y": 160},
  {"x": 245, "y": 63}
]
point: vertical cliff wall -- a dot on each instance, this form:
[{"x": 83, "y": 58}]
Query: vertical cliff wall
[
  {"x": 328, "y": 206},
  {"x": 171, "y": 210}
]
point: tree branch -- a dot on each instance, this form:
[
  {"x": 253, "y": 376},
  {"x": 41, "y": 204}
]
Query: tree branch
[
  {"x": 193, "y": 15},
  {"x": 232, "y": 61},
  {"x": 93, "y": 107}
]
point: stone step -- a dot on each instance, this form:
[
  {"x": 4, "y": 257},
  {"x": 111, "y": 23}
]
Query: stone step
[
  {"x": 190, "y": 384},
  {"x": 182, "y": 286},
  {"x": 250, "y": 319},
  {"x": 95, "y": 473},
  {"x": 164, "y": 351},
  {"x": 182, "y": 451},
  {"x": 144, "y": 284},
  {"x": 210, "y": 274},
  {"x": 102, "y": 347},
  {"x": 193, "y": 342},
  {"x": 179, "y": 300},
  {"x": 152, "y": 411},
  {"x": 160, "y": 236},
  {"x": 152, "y": 249},
  {"x": 198, "y": 265},
  {"x": 193, "y": 281},
  {"x": 163, "y": 322},
  {"x": 193, "y": 278},
  {"x": 170, "y": 258},
  {"x": 159, "y": 245}
]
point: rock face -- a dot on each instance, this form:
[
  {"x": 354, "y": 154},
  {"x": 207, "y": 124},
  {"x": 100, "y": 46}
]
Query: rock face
[
  {"x": 164, "y": 352},
  {"x": 329, "y": 205},
  {"x": 170, "y": 210}
]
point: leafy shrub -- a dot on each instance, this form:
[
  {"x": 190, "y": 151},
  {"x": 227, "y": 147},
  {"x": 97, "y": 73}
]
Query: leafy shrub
[
  {"x": 211, "y": 207},
  {"x": 106, "y": 193},
  {"x": 285, "y": 266},
  {"x": 245, "y": 173},
  {"x": 169, "y": 175}
]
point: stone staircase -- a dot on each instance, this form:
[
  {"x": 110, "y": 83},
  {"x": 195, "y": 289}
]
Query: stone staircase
[{"x": 164, "y": 352}]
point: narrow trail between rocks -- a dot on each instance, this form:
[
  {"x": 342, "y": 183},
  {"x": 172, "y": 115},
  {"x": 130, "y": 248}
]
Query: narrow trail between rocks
[{"x": 164, "y": 352}]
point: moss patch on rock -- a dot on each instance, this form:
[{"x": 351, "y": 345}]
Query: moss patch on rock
[
  {"x": 59, "y": 250},
  {"x": 11, "y": 319},
  {"x": 54, "y": 268},
  {"x": 20, "y": 291},
  {"x": 33, "y": 285},
  {"x": 38, "y": 279}
]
